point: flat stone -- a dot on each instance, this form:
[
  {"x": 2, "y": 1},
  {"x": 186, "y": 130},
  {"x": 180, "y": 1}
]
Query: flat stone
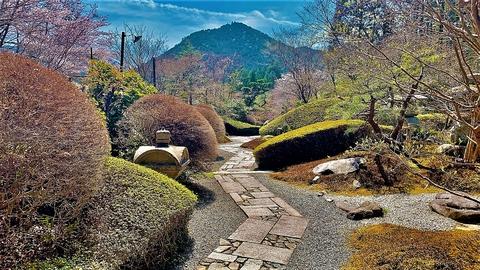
[
  {"x": 221, "y": 249},
  {"x": 222, "y": 257},
  {"x": 255, "y": 211},
  {"x": 236, "y": 198},
  {"x": 232, "y": 187},
  {"x": 252, "y": 264},
  {"x": 217, "y": 266},
  {"x": 290, "y": 226},
  {"x": 252, "y": 230},
  {"x": 234, "y": 266},
  {"x": 267, "y": 202},
  {"x": 286, "y": 207},
  {"x": 263, "y": 194},
  {"x": 224, "y": 242},
  {"x": 249, "y": 182},
  {"x": 263, "y": 252}
]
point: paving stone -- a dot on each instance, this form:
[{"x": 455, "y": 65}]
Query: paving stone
[
  {"x": 263, "y": 194},
  {"x": 249, "y": 182},
  {"x": 255, "y": 211},
  {"x": 217, "y": 266},
  {"x": 232, "y": 187},
  {"x": 252, "y": 230},
  {"x": 224, "y": 242},
  {"x": 221, "y": 249},
  {"x": 236, "y": 198},
  {"x": 290, "y": 226},
  {"x": 263, "y": 252},
  {"x": 252, "y": 264},
  {"x": 234, "y": 266},
  {"x": 222, "y": 257},
  {"x": 286, "y": 206},
  {"x": 266, "y": 202}
]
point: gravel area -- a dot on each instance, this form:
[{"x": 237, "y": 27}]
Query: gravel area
[
  {"x": 406, "y": 210},
  {"x": 323, "y": 246},
  {"x": 216, "y": 217}
]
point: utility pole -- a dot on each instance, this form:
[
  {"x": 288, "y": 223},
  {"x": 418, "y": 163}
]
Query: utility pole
[
  {"x": 122, "y": 50},
  {"x": 91, "y": 53},
  {"x": 154, "y": 72}
]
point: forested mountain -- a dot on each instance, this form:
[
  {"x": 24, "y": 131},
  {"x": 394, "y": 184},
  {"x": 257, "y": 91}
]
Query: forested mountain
[{"x": 247, "y": 47}]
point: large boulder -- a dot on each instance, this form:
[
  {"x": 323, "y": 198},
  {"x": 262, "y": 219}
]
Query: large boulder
[
  {"x": 366, "y": 210},
  {"x": 456, "y": 207},
  {"x": 341, "y": 166}
]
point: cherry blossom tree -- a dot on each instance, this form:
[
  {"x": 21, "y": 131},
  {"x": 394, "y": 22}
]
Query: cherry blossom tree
[{"x": 58, "y": 33}]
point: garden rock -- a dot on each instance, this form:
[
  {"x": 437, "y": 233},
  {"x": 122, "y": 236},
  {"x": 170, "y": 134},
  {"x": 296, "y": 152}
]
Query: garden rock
[
  {"x": 341, "y": 166},
  {"x": 365, "y": 210},
  {"x": 450, "y": 149},
  {"x": 456, "y": 208}
]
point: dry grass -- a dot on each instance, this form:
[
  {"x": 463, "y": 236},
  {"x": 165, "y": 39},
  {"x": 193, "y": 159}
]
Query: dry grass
[
  {"x": 215, "y": 121},
  {"x": 52, "y": 146},
  {"x": 387, "y": 246},
  {"x": 151, "y": 113},
  {"x": 369, "y": 176}
]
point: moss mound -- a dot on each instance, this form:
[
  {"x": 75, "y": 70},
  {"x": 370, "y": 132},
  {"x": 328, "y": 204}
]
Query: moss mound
[
  {"x": 387, "y": 246},
  {"x": 215, "y": 121},
  {"x": 309, "y": 143},
  {"x": 238, "y": 128},
  {"x": 139, "y": 218},
  {"x": 304, "y": 115}
]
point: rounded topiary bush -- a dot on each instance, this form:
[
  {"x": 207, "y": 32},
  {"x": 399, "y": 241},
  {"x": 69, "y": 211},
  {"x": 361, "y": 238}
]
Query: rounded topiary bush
[
  {"x": 140, "y": 218},
  {"x": 52, "y": 145},
  {"x": 238, "y": 128},
  {"x": 154, "y": 112},
  {"x": 215, "y": 121},
  {"x": 304, "y": 115},
  {"x": 309, "y": 143}
]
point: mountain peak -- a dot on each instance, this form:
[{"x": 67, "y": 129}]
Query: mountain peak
[{"x": 246, "y": 46}]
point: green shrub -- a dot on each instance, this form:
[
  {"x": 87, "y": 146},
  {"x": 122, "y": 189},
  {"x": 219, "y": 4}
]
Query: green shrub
[
  {"x": 115, "y": 91},
  {"x": 153, "y": 112},
  {"x": 309, "y": 143},
  {"x": 52, "y": 145},
  {"x": 238, "y": 128},
  {"x": 304, "y": 115},
  {"x": 215, "y": 121},
  {"x": 138, "y": 219}
]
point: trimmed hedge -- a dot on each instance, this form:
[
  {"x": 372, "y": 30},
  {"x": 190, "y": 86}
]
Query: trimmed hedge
[
  {"x": 215, "y": 121},
  {"x": 139, "y": 218},
  {"x": 310, "y": 113},
  {"x": 153, "y": 112},
  {"x": 238, "y": 128},
  {"x": 309, "y": 143}
]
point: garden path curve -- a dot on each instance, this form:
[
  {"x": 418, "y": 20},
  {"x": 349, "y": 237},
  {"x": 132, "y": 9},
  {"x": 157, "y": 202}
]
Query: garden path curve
[{"x": 272, "y": 230}]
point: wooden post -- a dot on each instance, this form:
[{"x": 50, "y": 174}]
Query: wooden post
[
  {"x": 122, "y": 50},
  {"x": 91, "y": 53},
  {"x": 154, "y": 72}
]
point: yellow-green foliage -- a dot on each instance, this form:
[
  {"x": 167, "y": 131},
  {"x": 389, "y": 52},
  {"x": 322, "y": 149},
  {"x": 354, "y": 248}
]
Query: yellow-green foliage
[
  {"x": 301, "y": 116},
  {"x": 309, "y": 143},
  {"x": 140, "y": 215},
  {"x": 235, "y": 127}
]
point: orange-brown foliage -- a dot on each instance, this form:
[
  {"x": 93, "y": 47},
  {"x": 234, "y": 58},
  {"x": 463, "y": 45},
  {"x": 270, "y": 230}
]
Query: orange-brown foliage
[
  {"x": 254, "y": 143},
  {"x": 188, "y": 127},
  {"x": 52, "y": 146},
  {"x": 215, "y": 121}
]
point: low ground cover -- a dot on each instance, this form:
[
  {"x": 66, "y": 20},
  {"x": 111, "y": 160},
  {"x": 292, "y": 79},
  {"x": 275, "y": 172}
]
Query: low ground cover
[
  {"x": 387, "y": 246},
  {"x": 238, "y": 128},
  {"x": 309, "y": 143}
]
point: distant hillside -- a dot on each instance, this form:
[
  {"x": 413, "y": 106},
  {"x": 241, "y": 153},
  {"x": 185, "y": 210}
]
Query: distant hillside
[{"x": 246, "y": 46}]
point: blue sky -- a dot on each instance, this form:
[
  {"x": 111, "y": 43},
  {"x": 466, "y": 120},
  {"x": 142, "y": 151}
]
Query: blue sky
[{"x": 177, "y": 19}]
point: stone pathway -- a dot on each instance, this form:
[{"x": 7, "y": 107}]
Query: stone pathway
[{"x": 273, "y": 229}]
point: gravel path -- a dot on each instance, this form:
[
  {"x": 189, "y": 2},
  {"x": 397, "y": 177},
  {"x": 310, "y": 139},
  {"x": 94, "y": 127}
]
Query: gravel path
[
  {"x": 211, "y": 221},
  {"x": 323, "y": 245}
]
